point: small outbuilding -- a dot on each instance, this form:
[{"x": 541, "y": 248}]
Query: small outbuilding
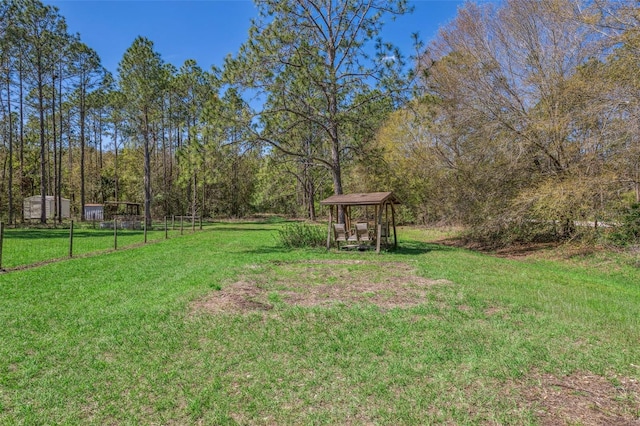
[
  {"x": 120, "y": 210},
  {"x": 382, "y": 203},
  {"x": 32, "y": 207},
  {"x": 93, "y": 212}
]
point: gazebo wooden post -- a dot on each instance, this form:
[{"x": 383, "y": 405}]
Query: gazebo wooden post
[
  {"x": 379, "y": 226},
  {"x": 329, "y": 228},
  {"x": 393, "y": 220},
  {"x": 347, "y": 219},
  {"x": 375, "y": 221},
  {"x": 386, "y": 222}
]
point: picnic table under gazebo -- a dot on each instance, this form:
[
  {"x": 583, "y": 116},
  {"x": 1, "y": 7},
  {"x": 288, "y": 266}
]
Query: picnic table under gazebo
[{"x": 382, "y": 203}]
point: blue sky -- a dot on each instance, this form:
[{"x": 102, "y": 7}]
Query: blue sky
[{"x": 206, "y": 30}]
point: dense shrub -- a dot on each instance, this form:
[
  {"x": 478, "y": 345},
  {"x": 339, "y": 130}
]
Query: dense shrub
[
  {"x": 296, "y": 235},
  {"x": 498, "y": 234},
  {"x": 628, "y": 232}
]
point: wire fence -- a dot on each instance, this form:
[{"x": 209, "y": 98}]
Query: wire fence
[{"x": 24, "y": 247}]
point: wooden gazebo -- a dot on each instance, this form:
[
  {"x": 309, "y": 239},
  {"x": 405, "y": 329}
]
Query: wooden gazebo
[{"x": 382, "y": 202}]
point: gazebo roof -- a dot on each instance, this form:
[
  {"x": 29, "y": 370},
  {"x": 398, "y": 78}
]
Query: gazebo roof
[{"x": 361, "y": 199}]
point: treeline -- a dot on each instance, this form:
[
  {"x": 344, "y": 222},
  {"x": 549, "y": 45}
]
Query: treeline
[
  {"x": 71, "y": 129},
  {"x": 180, "y": 140},
  {"x": 528, "y": 126},
  {"x": 519, "y": 120}
]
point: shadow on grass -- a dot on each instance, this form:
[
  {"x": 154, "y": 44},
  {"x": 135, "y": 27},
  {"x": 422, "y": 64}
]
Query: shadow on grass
[
  {"x": 239, "y": 229},
  {"x": 268, "y": 250},
  {"x": 405, "y": 248},
  {"x": 266, "y": 221},
  {"x": 36, "y": 234},
  {"x": 416, "y": 248},
  {"x": 64, "y": 234}
]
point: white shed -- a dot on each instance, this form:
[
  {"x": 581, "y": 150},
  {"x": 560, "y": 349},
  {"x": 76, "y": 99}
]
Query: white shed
[{"x": 32, "y": 207}]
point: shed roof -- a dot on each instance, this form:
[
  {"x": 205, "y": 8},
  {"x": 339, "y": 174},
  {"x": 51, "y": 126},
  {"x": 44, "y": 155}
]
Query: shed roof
[{"x": 361, "y": 199}]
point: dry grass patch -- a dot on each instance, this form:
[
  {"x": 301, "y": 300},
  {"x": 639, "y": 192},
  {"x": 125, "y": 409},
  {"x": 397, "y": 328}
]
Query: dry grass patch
[
  {"x": 238, "y": 297},
  {"x": 322, "y": 283},
  {"x": 582, "y": 398}
]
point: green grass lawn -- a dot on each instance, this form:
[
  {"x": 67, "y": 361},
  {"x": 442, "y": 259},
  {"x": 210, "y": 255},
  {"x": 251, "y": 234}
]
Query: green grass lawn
[{"x": 224, "y": 327}]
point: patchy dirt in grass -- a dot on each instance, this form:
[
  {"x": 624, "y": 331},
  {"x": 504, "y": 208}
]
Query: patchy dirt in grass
[
  {"x": 322, "y": 283},
  {"x": 238, "y": 297},
  {"x": 582, "y": 399}
]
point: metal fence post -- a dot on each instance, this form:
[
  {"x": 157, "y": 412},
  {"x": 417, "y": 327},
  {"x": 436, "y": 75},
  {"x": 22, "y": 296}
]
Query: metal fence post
[
  {"x": 115, "y": 234},
  {"x": 181, "y": 225}
]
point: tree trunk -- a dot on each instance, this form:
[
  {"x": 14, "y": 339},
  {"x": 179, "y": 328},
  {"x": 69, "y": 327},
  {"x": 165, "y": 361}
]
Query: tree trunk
[
  {"x": 203, "y": 199},
  {"x": 100, "y": 139},
  {"x": 332, "y": 95},
  {"x": 147, "y": 170},
  {"x": 82, "y": 149},
  {"x": 165, "y": 176},
  {"x": 336, "y": 171},
  {"x": 311, "y": 200},
  {"x": 115, "y": 160},
  {"x": 10, "y": 148},
  {"x": 170, "y": 143},
  {"x": 59, "y": 188},
  {"x": 43, "y": 169},
  {"x": 55, "y": 150},
  {"x": 21, "y": 125},
  {"x": 194, "y": 196}
]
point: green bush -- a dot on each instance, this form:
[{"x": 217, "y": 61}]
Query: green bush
[
  {"x": 297, "y": 235},
  {"x": 500, "y": 232},
  {"x": 628, "y": 232}
]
